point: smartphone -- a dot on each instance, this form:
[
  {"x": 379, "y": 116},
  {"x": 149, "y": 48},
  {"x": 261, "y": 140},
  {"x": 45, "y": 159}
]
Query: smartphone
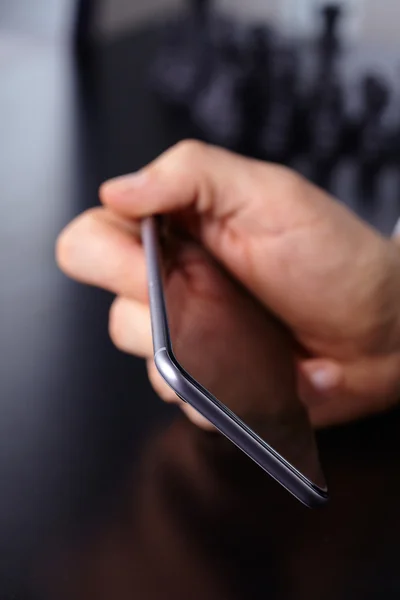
[{"x": 220, "y": 352}]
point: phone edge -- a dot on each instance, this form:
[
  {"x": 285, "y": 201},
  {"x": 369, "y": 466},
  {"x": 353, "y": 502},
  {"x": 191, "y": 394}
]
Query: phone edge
[{"x": 300, "y": 487}]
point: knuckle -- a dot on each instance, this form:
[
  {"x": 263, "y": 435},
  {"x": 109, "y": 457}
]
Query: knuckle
[
  {"x": 297, "y": 184},
  {"x": 189, "y": 150},
  {"x": 292, "y": 182}
]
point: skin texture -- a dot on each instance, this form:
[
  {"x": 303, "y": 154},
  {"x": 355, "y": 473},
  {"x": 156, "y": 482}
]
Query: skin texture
[{"x": 333, "y": 282}]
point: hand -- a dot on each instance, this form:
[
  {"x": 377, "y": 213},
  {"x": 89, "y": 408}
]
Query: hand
[
  {"x": 209, "y": 316},
  {"x": 332, "y": 280}
]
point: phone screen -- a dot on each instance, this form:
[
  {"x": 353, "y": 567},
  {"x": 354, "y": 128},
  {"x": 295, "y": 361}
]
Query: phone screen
[{"x": 235, "y": 349}]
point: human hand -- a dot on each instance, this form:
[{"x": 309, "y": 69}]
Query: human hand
[
  {"x": 221, "y": 334},
  {"x": 332, "y": 280}
]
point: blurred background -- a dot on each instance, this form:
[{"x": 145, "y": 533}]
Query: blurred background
[{"x": 90, "y": 89}]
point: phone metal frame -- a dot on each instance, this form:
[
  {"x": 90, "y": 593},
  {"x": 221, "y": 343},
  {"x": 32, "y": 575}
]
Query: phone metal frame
[{"x": 206, "y": 404}]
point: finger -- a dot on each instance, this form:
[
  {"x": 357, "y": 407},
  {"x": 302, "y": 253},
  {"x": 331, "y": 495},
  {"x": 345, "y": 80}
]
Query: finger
[
  {"x": 341, "y": 393},
  {"x": 319, "y": 377},
  {"x": 102, "y": 249},
  {"x": 196, "y": 418},
  {"x": 130, "y": 328},
  {"x": 318, "y": 381}
]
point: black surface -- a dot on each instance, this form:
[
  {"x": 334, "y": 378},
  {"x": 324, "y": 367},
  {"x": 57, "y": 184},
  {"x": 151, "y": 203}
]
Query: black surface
[{"x": 100, "y": 496}]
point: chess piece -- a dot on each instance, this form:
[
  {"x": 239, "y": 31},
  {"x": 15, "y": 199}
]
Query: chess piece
[
  {"x": 329, "y": 42},
  {"x": 373, "y": 136},
  {"x": 276, "y": 139},
  {"x": 255, "y": 102},
  {"x": 327, "y": 126},
  {"x": 217, "y": 108},
  {"x": 324, "y": 129},
  {"x": 376, "y": 96},
  {"x": 201, "y": 10},
  {"x": 331, "y": 14},
  {"x": 185, "y": 56}
]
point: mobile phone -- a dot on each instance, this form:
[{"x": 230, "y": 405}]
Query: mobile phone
[{"x": 204, "y": 350}]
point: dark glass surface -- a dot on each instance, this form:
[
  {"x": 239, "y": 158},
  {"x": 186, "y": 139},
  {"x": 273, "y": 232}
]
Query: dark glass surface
[
  {"x": 105, "y": 491},
  {"x": 229, "y": 344}
]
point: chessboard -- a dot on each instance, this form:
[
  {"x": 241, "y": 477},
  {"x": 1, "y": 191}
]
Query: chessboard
[{"x": 328, "y": 110}]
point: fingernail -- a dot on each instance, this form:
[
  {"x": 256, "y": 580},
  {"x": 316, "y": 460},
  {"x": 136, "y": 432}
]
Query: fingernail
[{"x": 325, "y": 379}]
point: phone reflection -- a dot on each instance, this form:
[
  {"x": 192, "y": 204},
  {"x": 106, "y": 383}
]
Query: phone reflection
[
  {"x": 194, "y": 515},
  {"x": 238, "y": 351},
  {"x": 197, "y": 519}
]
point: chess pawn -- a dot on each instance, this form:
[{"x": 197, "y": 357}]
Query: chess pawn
[
  {"x": 277, "y": 135},
  {"x": 258, "y": 50},
  {"x": 373, "y": 138},
  {"x": 373, "y": 135},
  {"x": 376, "y": 97},
  {"x": 184, "y": 59},
  {"x": 328, "y": 46},
  {"x": 259, "y": 45},
  {"x": 217, "y": 109},
  {"x": 201, "y": 10},
  {"x": 327, "y": 127},
  {"x": 331, "y": 14}
]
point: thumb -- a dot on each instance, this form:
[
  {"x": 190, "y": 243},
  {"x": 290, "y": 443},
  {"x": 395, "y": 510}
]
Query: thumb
[
  {"x": 237, "y": 200},
  {"x": 218, "y": 185},
  {"x": 189, "y": 175}
]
